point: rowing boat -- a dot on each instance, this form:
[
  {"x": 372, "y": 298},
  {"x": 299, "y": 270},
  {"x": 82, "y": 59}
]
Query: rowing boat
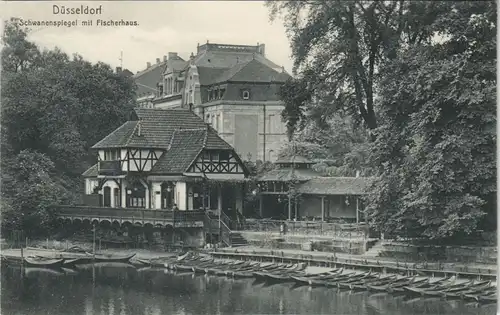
[
  {"x": 110, "y": 258},
  {"x": 43, "y": 262},
  {"x": 394, "y": 286},
  {"x": 345, "y": 284},
  {"x": 361, "y": 285},
  {"x": 222, "y": 271},
  {"x": 77, "y": 261},
  {"x": 249, "y": 273},
  {"x": 217, "y": 268},
  {"x": 316, "y": 276}
]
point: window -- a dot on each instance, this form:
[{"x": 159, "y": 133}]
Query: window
[
  {"x": 224, "y": 156},
  {"x": 221, "y": 93},
  {"x": 245, "y": 94},
  {"x": 111, "y": 155},
  {"x": 208, "y": 118}
]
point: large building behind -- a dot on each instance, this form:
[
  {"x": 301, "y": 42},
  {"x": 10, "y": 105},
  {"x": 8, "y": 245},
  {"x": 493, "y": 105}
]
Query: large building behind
[{"x": 232, "y": 87}]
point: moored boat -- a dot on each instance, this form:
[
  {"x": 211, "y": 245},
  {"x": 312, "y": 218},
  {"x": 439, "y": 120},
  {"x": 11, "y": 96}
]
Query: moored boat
[
  {"x": 76, "y": 261},
  {"x": 43, "y": 262},
  {"x": 112, "y": 258}
]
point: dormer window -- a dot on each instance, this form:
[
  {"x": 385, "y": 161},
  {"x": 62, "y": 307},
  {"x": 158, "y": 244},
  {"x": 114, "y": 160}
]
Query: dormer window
[
  {"x": 111, "y": 155},
  {"x": 245, "y": 94},
  {"x": 160, "y": 89}
]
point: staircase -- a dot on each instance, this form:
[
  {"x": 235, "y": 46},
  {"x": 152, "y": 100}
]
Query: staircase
[
  {"x": 238, "y": 240},
  {"x": 375, "y": 250}
]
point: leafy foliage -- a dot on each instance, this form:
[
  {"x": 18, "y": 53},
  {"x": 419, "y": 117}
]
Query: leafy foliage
[
  {"x": 420, "y": 76},
  {"x": 54, "y": 108},
  {"x": 436, "y": 147}
]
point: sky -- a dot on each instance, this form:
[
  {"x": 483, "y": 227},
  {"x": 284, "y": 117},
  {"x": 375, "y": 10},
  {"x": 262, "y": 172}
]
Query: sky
[{"x": 166, "y": 26}]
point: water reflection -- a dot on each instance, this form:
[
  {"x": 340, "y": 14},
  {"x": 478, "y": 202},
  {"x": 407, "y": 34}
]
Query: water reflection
[{"x": 110, "y": 291}]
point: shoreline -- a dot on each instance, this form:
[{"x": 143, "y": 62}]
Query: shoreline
[{"x": 314, "y": 258}]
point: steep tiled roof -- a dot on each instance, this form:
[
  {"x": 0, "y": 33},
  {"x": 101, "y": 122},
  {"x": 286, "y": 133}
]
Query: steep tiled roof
[
  {"x": 91, "y": 172},
  {"x": 185, "y": 146},
  {"x": 175, "y": 64},
  {"x": 147, "y": 79},
  {"x": 156, "y": 128},
  {"x": 208, "y": 75},
  {"x": 336, "y": 186},
  {"x": 252, "y": 71},
  {"x": 228, "y": 59},
  {"x": 178, "y": 131},
  {"x": 119, "y": 137}
]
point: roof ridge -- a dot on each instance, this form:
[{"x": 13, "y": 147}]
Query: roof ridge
[
  {"x": 190, "y": 129},
  {"x": 111, "y": 133},
  {"x": 133, "y": 132},
  {"x": 156, "y": 65},
  {"x": 172, "y": 139},
  {"x": 206, "y": 137}
]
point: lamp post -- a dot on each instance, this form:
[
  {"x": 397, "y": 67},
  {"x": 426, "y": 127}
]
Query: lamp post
[{"x": 93, "y": 242}]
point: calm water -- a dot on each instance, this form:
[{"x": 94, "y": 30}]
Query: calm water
[{"x": 120, "y": 291}]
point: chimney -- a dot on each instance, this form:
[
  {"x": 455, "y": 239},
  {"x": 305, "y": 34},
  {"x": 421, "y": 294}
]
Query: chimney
[
  {"x": 148, "y": 64},
  {"x": 262, "y": 49},
  {"x": 164, "y": 58},
  {"x": 139, "y": 128},
  {"x": 157, "y": 60},
  {"x": 118, "y": 69},
  {"x": 172, "y": 55}
]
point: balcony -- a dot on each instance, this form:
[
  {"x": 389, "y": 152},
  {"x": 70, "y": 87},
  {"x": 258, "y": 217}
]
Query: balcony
[
  {"x": 188, "y": 218},
  {"x": 110, "y": 168}
]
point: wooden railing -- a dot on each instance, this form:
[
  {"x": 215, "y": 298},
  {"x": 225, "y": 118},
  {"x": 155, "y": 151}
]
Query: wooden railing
[
  {"x": 132, "y": 214},
  {"x": 225, "y": 234},
  {"x": 110, "y": 168},
  {"x": 226, "y": 219},
  {"x": 306, "y": 228}
]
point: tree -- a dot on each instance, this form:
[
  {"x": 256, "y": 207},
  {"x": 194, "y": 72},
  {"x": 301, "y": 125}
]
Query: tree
[
  {"x": 29, "y": 191},
  {"x": 338, "y": 147},
  {"x": 54, "y": 108},
  {"x": 339, "y": 48},
  {"x": 435, "y": 147}
]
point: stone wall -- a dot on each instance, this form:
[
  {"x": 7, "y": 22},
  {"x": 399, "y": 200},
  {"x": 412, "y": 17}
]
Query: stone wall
[
  {"x": 305, "y": 242},
  {"x": 464, "y": 254}
]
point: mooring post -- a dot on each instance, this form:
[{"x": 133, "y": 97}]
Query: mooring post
[{"x": 22, "y": 259}]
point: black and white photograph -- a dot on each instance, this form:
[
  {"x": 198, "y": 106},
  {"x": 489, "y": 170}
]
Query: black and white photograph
[{"x": 248, "y": 157}]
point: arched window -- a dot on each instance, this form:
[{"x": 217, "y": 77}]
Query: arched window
[
  {"x": 245, "y": 94},
  {"x": 167, "y": 195},
  {"x": 136, "y": 195},
  {"x": 118, "y": 198}
]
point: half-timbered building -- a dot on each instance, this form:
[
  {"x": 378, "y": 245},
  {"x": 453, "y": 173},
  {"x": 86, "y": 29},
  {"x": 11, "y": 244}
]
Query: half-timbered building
[{"x": 162, "y": 159}]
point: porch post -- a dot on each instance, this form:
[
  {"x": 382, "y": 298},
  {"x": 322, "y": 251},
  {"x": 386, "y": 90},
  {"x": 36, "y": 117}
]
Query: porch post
[
  {"x": 289, "y": 207},
  {"x": 322, "y": 208},
  {"x": 261, "y": 204},
  {"x": 296, "y": 207},
  {"x": 219, "y": 197},
  {"x": 123, "y": 192},
  {"x": 357, "y": 209},
  {"x": 112, "y": 196}
]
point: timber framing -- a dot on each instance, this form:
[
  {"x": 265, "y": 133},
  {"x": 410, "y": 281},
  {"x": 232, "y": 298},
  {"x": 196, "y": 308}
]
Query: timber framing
[{"x": 217, "y": 161}]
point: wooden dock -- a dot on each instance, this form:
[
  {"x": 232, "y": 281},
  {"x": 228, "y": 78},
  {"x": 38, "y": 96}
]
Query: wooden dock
[{"x": 367, "y": 264}]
